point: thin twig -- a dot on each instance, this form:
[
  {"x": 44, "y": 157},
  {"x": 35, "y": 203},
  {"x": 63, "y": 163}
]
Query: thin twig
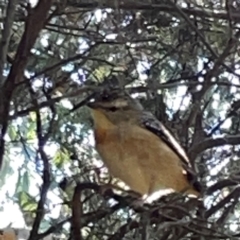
[
  {"x": 211, "y": 143},
  {"x": 6, "y": 33}
]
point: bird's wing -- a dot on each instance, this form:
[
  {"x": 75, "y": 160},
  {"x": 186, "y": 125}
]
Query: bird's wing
[{"x": 149, "y": 122}]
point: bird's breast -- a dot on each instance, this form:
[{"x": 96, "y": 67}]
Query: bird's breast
[{"x": 135, "y": 155}]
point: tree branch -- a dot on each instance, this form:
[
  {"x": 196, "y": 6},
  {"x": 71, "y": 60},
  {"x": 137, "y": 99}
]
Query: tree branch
[
  {"x": 193, "y": 27},
  {"x": 34, "y": 23},
  {"x": 52, "y": 101},
  {"x": 46, "y": 171},
  {"x": 211, "y": 143},
  {"x": 135, "y": 5},
  {"x": 6, "y": 33},
  {"x": 222, "y": 184},
  {"x": 52, "y": 229},
  {"x": 76, "y": 214},
  {"x": 233, "y": 195}
]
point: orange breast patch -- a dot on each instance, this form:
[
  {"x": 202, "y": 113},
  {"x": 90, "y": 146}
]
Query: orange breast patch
[{"x": 100, "y": 135}]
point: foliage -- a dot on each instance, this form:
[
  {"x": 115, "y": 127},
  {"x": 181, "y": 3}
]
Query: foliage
[{"x": 180, "y": 57}]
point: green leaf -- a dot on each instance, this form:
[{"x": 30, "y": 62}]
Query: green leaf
[
  {"x": 31, "y": 133},
  {"x": 61, "y": 157},
  {"x": 12, "y": 132},
  {"x": 27, "y": 202},
  {"x": 19, "y": 183},
  {"x": 6, "y": 170},
  {"x": 25, "y": 182}
]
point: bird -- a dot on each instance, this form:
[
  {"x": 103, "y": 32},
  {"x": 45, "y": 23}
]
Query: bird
[{"x": 137, "y": 148}]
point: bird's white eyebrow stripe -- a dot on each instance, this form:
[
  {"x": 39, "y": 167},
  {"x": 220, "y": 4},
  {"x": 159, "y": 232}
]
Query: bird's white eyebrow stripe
[{"x": 120, "y": 103}]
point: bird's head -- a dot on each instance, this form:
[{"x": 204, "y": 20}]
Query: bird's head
[{"x": 114, "y": 107}]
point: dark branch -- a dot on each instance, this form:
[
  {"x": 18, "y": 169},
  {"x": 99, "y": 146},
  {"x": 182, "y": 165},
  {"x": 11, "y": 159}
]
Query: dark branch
[
  {"x": 34, "y": 23},
  {"x": 211, "y": 143},
  {"x": 6, "y": 33}
]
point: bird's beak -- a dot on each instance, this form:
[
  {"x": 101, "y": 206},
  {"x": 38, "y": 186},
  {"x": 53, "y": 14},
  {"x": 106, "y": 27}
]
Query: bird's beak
[
  {"x": 91, "y": 105},
  {"x": 94, "y": 105},
  {"x": 99, "y": 105}
]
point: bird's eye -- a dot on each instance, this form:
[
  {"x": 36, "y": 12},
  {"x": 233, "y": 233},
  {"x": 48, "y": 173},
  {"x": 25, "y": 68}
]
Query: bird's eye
[
  {"x": 105, "y": 97},
  {"x": 113, "y": 109}
]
